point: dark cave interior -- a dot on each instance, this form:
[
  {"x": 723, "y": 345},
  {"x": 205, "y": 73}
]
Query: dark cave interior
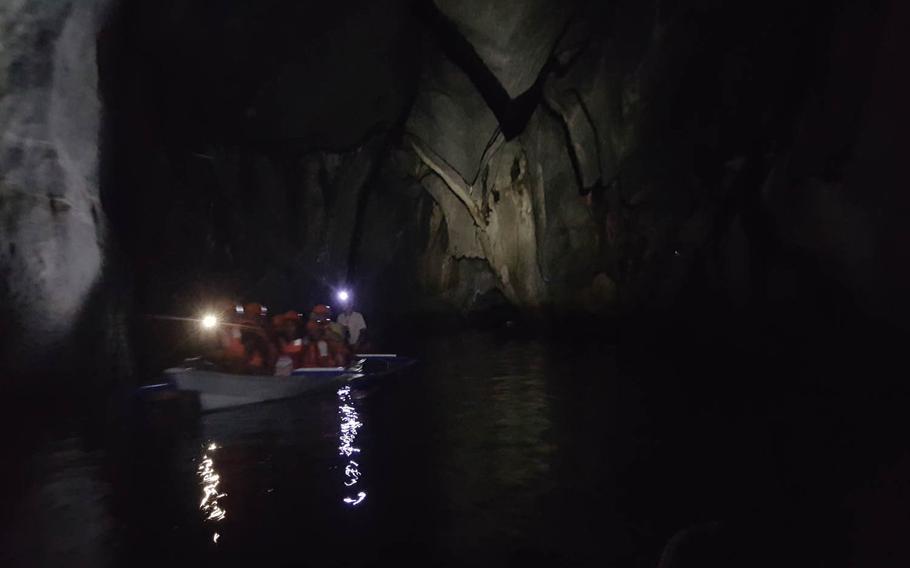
[{"x": 715, "y": 187}]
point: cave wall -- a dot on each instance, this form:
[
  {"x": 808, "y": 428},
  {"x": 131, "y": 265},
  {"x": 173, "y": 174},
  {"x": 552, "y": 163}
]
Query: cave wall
[
  {"x": 573, "y": 156},
  {"x": 53, "y": 262},
  {"x": 600, "y": 157},
  {"x": 669, "y": 152}
]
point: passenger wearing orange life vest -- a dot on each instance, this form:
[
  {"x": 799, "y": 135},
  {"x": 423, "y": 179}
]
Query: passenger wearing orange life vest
[
  {"x": 260, "y": 352},
  {"x": 233, "y": 353},
  {"x": 326, "y": 348},
  {"x": 286, "y": 331}
]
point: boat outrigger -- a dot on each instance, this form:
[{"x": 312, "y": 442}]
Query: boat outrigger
[{"x": 218, "y": 390}]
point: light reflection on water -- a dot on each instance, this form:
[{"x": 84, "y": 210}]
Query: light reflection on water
[
  {"x": 210, "y": 479},
  {"x": 350, "y": 422}
]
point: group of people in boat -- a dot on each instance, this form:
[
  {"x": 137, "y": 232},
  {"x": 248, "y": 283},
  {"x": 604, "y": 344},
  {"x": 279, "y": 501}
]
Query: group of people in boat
[{"x": 251, "y": 342}]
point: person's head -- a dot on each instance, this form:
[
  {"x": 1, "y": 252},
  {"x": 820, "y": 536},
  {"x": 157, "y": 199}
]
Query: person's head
[
  {"x": 252, "y": 310},
  {"x": 320, "y": 312},
  {"x": 286, "y": 324}
]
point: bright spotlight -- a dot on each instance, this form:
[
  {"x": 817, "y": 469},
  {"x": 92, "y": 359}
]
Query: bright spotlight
[
  {"x": 209, "y": 322},
  {"x": 343, "y": 296}
]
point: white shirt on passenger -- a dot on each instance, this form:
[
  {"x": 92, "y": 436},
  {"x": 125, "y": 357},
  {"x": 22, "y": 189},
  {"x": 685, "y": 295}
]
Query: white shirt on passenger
[{"x": 355, "y": 324}]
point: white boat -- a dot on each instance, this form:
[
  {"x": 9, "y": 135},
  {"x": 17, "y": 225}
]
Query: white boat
[{"x": 218, "y": 390}]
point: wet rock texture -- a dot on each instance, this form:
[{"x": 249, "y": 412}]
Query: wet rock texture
[
  {"x": 52, "y": 228},
  {"x": 582, "y": 156},
  {"x": 602, "y": 156}
]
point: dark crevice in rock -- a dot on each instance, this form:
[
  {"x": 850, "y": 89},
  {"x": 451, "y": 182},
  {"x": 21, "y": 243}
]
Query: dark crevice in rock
[
  {"x": 363, "y": 197},
  {"x": 597, "y": 140},
  {"x": 570, "y": 147},
  {"x": 513, "y": 114}
]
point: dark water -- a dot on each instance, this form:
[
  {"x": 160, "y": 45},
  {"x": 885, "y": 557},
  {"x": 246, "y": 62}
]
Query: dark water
[{"x": 494, "y": 451}]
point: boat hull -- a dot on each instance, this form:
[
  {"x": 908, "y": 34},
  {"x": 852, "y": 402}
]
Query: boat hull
[
  {"x": 217, "y": 390},
  {"x": 223, "y": 390}
]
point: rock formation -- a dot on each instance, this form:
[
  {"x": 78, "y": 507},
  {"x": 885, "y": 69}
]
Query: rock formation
[
  {"x": 52, "y": 224},
  {"x": 574, "y": 156}
]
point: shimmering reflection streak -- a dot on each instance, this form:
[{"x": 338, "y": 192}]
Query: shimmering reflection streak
[
  {"x": 210, "y": 479},
  {"x": 350, "y": 422}
]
